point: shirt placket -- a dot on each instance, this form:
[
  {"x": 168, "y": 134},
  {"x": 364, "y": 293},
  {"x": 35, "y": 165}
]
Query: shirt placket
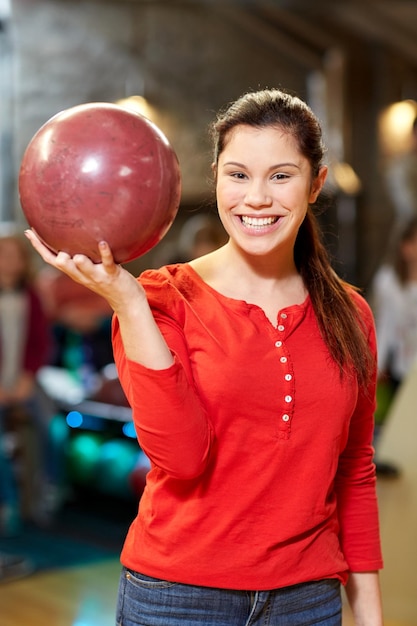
[{"x": 286, "y": 379}]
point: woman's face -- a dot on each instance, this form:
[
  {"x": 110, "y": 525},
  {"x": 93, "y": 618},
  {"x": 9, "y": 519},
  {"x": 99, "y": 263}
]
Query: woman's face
[{"x": 264, "y": 186}]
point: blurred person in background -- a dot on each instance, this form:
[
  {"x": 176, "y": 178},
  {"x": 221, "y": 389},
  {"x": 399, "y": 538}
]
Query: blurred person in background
[
  {"x": 81, "y": 328},
  {"x": 199, "y": 235},
  {"x": 394, "y": 302},
  {"x": 401, "y": 180},
  {"x": 24, "y": 348}
]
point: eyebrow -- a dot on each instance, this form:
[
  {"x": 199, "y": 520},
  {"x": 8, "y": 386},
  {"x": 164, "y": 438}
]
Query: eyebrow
[{"x": 273, "y": 167}]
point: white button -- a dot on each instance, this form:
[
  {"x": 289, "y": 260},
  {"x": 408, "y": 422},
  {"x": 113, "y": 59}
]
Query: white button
[
  {"x": 288, "y": 377},
  {"x": 288, "y": 398},
  {"x": 278, "y": 344},
  {"x": 285, "y": 418},
  {"x": 283, "y": 359},
  {"x": 284, "y": 316},
  {"x": 281, "y": 327}
]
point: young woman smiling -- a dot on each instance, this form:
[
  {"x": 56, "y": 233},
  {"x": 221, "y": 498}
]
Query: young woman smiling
[{"x": 251, "y": 375}]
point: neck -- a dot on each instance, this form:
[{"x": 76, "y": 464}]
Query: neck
[
  {"x": 260, "y": 280},
  {"x": 276, "y": 266}
]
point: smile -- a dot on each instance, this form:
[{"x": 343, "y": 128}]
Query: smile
[{"x": 258, "y": 222}]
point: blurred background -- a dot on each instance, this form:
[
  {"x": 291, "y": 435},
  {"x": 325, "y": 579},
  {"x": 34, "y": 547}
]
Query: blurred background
[{"x": 178, "y": 62}]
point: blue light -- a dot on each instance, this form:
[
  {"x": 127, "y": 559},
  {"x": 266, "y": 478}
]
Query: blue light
[
  {"x": 129, "y": 430},
  {"x": 74, "y": 419}
]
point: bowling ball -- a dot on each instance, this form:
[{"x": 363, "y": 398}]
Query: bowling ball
[{"x": 99, "y": 172}]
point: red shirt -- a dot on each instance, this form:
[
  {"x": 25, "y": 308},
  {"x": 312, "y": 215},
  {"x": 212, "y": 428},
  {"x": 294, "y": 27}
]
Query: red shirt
[{"x": 262, "y": 472}]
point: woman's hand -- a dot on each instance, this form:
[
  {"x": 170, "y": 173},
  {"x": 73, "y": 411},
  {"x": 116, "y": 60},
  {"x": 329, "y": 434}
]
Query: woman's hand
[
  {"x": 364, "y": 596},
  {"x": 141, "y": 337},
  {"x": 107, "y": 279}
]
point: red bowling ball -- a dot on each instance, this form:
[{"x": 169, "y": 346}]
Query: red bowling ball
[{"x": 99, "y": 172}]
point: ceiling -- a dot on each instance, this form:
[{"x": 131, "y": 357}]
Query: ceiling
[
  {"x": 392, "y": 23},
  {"x": 315, "y": 24}
]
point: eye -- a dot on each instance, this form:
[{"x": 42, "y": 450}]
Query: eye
[
  {"x": 280, "y": 176},
  {"x": 238, "y": 175}
]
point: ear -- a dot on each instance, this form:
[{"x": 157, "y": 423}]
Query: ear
[
  {"x": 214, "y": 170},
  {"x": 317, "y": 184}
]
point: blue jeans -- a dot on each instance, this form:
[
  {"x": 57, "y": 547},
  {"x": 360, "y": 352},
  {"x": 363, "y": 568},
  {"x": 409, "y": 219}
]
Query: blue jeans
[{"x": 146, "y": 601}]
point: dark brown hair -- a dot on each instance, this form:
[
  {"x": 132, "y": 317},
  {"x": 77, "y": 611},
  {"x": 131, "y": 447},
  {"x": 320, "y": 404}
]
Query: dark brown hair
[{"x": 338, "y": 317}]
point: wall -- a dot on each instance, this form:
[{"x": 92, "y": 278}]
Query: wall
[{"x": 186, "y": 61}]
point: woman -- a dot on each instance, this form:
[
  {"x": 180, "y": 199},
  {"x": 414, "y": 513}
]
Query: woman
[
  {"x": 394, "y": 303},
  {"x": 251, "y": 374},
  {"x": 395, "y": 308}
]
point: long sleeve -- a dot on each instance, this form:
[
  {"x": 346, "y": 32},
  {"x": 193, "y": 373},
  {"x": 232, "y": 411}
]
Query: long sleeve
[{"x": 171, "y": 424}]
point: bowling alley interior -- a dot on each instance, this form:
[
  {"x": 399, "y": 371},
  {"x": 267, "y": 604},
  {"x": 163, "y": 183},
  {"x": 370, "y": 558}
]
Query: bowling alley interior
[{"x": 177, "y": 62}]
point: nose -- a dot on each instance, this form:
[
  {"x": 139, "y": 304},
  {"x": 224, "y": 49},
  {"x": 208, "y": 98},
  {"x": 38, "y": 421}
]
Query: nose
[{"x": 257, "y": 194}]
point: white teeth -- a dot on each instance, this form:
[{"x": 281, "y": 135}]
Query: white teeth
[{"x": 258, "y": 222}]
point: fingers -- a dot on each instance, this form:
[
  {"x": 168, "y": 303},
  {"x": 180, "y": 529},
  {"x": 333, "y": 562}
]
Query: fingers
[
  {"x": 61, "y": 259},
  {"x": 47, "y": 254},
  {"x": 106, "y": 256},
  {"x": 102, "y": 278},
  {"x": 86, "y": 265}
]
